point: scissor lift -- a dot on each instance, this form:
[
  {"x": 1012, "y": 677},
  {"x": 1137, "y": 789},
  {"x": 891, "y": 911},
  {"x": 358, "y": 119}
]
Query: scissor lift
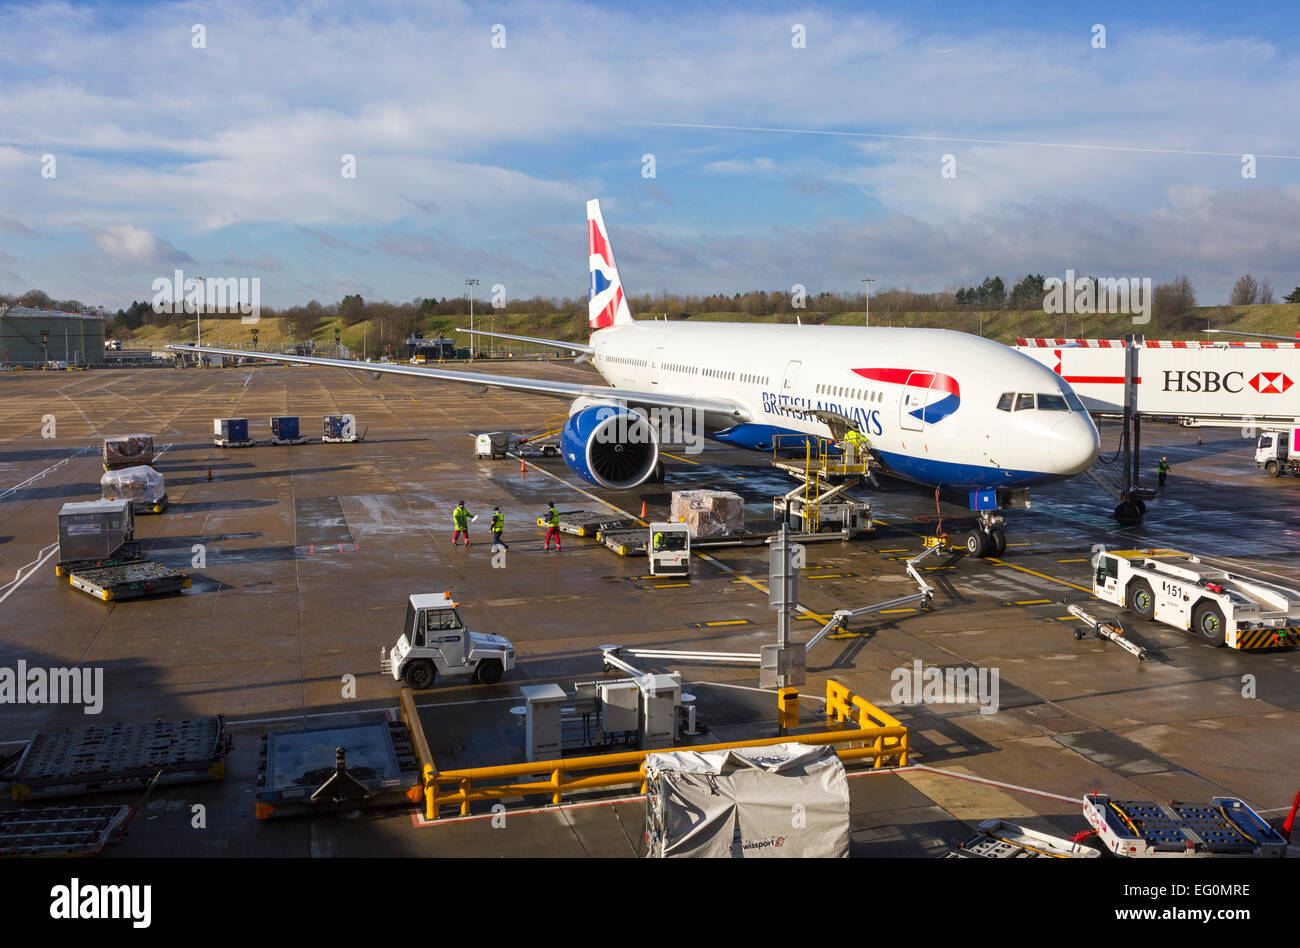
[{"x": 818, "y": 499}]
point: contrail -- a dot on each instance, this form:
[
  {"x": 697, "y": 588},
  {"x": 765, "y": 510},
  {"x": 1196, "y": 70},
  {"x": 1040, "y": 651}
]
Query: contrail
[{"x": 963, "y": 141}]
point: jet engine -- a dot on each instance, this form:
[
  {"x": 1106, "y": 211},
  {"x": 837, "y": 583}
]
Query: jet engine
[{"x": 610, "y": 446}]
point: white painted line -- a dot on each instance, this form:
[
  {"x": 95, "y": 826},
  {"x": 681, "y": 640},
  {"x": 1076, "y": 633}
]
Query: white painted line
[
  {"x": 35, "y": 565},
  {"x": 52, "y": 467},
  {"x": 556, "y": 477}
]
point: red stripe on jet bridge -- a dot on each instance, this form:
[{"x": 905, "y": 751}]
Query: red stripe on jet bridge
[
  {"x": 1099, "y": 379},
  {"x": 596, "y": 243}
]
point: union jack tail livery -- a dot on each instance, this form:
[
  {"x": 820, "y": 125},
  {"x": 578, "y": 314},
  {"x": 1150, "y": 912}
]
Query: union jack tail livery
[{"x": 606, "y": 306}]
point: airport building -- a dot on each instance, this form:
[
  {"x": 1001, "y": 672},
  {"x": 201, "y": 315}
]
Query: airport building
[{"x": 34, "y": 336}]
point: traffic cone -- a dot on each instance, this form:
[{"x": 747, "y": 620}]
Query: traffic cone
[
  {"x": 643, "y": 510},
  {"x": 523, "y": 466},
  {"x": 1198, "y": 440},
  {"x": 209, "y": 473}
]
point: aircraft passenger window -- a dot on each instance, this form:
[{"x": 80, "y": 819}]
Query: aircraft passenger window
[
  {"x": 1052, "y": 403},
  {"x": 1024, "y": 401},
  {"x": 1004, "y": 403}
]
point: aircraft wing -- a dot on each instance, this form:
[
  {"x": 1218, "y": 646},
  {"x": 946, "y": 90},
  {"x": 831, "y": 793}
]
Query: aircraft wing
[
  {"x": 567, "y": 390},
  {"x": 553, "y": 343}
]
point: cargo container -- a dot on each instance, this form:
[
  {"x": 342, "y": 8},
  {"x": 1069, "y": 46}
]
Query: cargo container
[
  {"x": 94, "y": 530},
  {"x": 284, "y": 430},
  {"x": 127, "y": 451},
  {"x": 231, "y": 433},
  {"x": 144, "y": 487}
]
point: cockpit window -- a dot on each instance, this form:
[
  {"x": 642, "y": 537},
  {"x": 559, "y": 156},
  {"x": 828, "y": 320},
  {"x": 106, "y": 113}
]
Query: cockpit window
[
  {"x": 1075, "y": 402},
  {"x": 1024, "y": 401},
  {"x": 1005, "y": 402},
  {"x": 1052, "y": 403}
]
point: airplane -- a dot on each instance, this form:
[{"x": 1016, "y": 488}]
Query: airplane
[{"x": 937, "y": 407}]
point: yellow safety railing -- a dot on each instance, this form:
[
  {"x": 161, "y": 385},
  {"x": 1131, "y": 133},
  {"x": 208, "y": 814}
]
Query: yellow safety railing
[
  {"x": 550, "y": 427},
  {"x": 414, "y": 727},
  {"x": 878, "y": 737}
]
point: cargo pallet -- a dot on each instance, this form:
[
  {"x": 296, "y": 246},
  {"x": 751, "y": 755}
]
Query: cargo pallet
[
  {"x": 306, "y": 772},
  {"x": 998, "y": 839},
  {"x": 149, "y": 506},
  {"x": 587, "y": 523},
  {"x": 1226, "y": 826},
  {"x": 119, "y": 757},
  {"x": 128, "y": 580},
  {"x": 300, "y": 440},
  {"x": 129, "y": 552},
  {"x": 62, "y": 830},
  {"x": 229, "y": 443}
]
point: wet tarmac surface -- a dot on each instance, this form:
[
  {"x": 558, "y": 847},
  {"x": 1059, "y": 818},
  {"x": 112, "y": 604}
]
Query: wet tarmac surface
[{"x": 302, "y": 558}]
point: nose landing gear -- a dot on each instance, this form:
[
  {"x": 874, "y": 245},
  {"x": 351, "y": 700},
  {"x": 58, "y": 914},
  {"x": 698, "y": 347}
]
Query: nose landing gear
[{"x": 989, "y": 538}]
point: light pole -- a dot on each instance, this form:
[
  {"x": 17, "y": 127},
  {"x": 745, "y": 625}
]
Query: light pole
[
  {"x": 198, "y": 320},
  {"x": 471, "y": 283},
  {"x": 868, "y": 281}
]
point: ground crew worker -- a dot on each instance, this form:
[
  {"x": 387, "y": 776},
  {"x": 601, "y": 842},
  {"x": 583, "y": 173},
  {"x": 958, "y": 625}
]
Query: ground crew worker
[
  {"x": 856, "y": 443},
  {"x": 1163, "y": 468},
  {"x": 460, "y": 518},
  {"x": 658, "y": 541},
  {"x": 552, "y": 519},
  {"x": 498, "y": 525}
]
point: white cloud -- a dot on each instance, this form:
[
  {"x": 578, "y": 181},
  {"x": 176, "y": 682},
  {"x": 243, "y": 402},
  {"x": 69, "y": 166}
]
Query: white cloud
[{"x": 131, "y": 244}]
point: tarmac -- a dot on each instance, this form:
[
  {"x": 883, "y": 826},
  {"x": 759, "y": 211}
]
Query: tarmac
[{"x": 307, "y": 555}]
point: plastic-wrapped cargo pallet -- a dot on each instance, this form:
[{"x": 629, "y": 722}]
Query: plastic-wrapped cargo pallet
[
  {"x": 738, "y": 803},
  {"x": 127, "y": 451},
  {"x": 709, "y": 513},
  {"x": 142, "y": 485}
]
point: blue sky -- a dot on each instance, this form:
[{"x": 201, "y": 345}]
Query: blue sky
[{"x": 476, "y": 161}]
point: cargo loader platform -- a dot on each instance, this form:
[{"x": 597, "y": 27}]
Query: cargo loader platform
[{"x": 119, "y": 757}]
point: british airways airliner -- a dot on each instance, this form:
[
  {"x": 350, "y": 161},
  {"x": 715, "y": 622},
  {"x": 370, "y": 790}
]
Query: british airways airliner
[{"x": 937, "y": 407}]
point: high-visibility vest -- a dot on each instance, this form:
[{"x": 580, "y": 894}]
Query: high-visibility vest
[
  {"x": 498, "y": 522},
  {"x": 460, "y": 517},
  {"x": 1163, "y": 465},
  {"x": 553, "y": 517}
]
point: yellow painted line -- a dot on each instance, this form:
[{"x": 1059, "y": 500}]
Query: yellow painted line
[
  {"x": 1022, "y": 543},
  {"x": 893, "y": 551},
  {"x": 669, "y": 585},
  {"x": 1081, "y": 560},
  {"x": 933, "y": 568},
  {"x": 813, "y": 616},
  {"x": 1031, "y": 602},
  {"x": 729, "y": 622},
  {"x": 885, "y": 611},
  {"x": 749, "y": 582},
  {"x": 676, "y": 458},
  {"x": 994, "y": 559},
  {"x": 829, "y": 576}
]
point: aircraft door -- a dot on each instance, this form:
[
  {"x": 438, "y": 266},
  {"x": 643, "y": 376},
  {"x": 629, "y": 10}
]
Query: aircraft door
[
  {"x": 916, "y": 392},
  {"x": 790, "y": 377}
]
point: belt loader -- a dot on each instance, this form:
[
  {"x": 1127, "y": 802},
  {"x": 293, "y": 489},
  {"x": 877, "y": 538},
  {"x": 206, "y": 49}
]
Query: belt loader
[{"x": 1179, "y": 590}]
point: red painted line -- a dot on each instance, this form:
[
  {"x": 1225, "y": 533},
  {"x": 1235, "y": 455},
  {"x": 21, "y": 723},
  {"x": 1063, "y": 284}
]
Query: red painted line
[{"x": 1099, "y": 379}]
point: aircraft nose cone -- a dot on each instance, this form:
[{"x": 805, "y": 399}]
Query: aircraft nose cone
[{"x": 1073, "y": 445}]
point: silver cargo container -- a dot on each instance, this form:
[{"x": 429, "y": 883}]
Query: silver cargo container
[{"x": 94, "y": 529}]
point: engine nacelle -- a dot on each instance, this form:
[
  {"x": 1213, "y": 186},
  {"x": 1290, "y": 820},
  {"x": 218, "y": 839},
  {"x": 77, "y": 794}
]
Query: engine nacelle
[{"x": 609, "y": 445}]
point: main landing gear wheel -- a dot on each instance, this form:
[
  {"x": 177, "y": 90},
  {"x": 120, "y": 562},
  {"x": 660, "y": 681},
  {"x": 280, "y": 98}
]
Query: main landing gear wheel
[
  {"x": 1128, "y": 513},
  {"x": 1207, "y": 619},
  {"x": 977, "y": 543},
  {"x": 997, "y": 542}
]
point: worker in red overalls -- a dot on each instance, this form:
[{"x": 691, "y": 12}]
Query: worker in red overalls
[{"x": 552, "y": 520}]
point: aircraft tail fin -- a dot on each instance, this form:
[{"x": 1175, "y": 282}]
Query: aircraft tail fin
[{"x": 607, "y": 304}]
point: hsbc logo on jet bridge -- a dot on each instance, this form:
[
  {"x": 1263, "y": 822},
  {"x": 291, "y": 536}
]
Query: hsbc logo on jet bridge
[{"x": 1265, "y": 383}]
